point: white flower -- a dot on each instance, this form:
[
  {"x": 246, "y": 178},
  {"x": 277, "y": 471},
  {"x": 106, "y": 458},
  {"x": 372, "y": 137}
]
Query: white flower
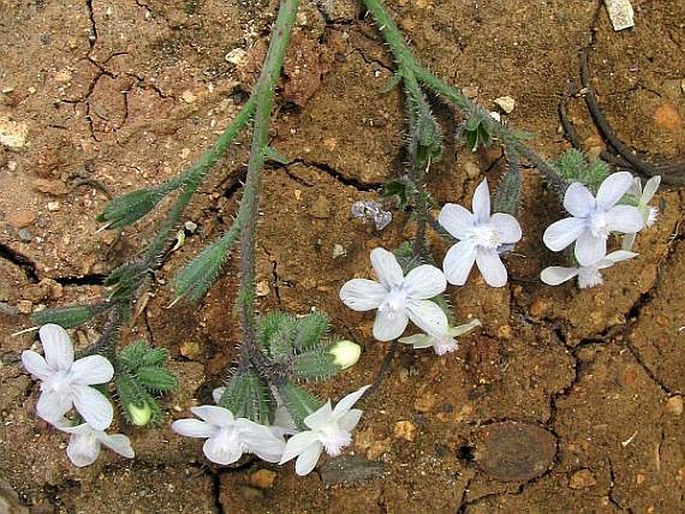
[
  {"x": 330, "y": 430},
  {"x": 443, "y": 342},
  {"x": 66, "y": 383},
  {"x": 588, "y": 276},
  {"x": 642, "y": 197},
  {"x": 229, "y": 437},
  {"x": 283, "y": 422},
  {"x": 594, "y": 219},
  {"x": 85, "y": 441},
  {"x": 397, "y": 298},
  {"x": 480, "y": 235}
]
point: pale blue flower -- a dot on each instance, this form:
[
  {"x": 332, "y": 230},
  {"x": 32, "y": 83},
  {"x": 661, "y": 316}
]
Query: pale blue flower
[
  {"x": 85, "y": 441},
  {"x": 588, "y": 276},
  {"x": 592, "y": 220},
  {"x": 480, "y": 236},
  {"x": 331, "y": 430},
  {"x": 228, "y": 437},
  {"x": 65, "y": 383},
  {"x": 443, "y": 342},
  {"x": 397, "y": 298}
]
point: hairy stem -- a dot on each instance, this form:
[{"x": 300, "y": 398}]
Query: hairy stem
[
  {"x": 411, "y": 71},
  {"x": 264, "y": 98}
]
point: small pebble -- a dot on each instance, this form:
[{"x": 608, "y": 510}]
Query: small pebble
[
  {"x": 674, "y": 405},
  {"x": 582, "y": 479},
  {"x": 472, "y": 169},
  {"x": 191, "y": 350},
  {"x": 505, "y": 103},
  {"x": 53, "y": 206},
  {"x": 339, "y": 251},
  {"x": 21, "y": 219},
  {"x": 262, "y": 288},
  {"x": 25, "y": 235},
  {"x": 667, "y": 116},
  {"x": 263, "y": 479},
  {"x": 405, "y": 430},
  {"x": 188, "y": 97},
  {"x": 25, "y": 306}
]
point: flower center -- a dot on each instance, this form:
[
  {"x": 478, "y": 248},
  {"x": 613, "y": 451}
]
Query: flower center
[
  {"x": 445, "y": 344},
  {"x": 60, "y": 382},
  {"x": 652, "y": 216},
  {"x": 395, "y": 301},
  {"x": 334, "y": 439},
  {"x": 599, "y": 227},
  {"x": 485, "y": 235}
]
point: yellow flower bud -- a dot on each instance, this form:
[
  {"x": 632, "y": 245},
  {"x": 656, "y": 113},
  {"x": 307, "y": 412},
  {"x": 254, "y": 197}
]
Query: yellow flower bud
[
  {"x": 140, "y": 416},
  {"x": 346, "y": 353}
]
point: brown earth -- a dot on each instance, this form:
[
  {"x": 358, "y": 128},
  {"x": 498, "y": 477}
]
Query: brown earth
[{"x": 565, "y": 401}]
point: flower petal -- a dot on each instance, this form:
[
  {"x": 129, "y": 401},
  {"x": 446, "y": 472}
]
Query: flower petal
[
  {"x": 424, "y": 282},
  {"x": 260, "y": 440},
  {"x": 36, "y": 365},
  {"x": 361, "y": 294},
  {"x": 320, "y": 417},
  {"x": 346, "y": 403},
  {"x": 93, "y": 369},
  {"x": 464, "y": 328},
  {"x": 458, "y": 262},
  {"x": 590, "y": 249},
  {"x": 389, "y": 325},
  {"x": 456, "y": 219},
  {"x": 53, "y": 406},
  {"x": 578, "y": 200},
  {"x": 349, "y": 420},
  {"x": 481, "y": 202},
  {"x": 119, "y": 443},
  {"x": 217, "y": 393},
  {"x": 83, "y": 449},
  {"x": 298, "y": 444},
  {"x": 508, "y": 227},
  {"x": 93, "y": 406},
  {"x": 621, "y": 255},
  {"x": 428, "y": 316},
  {"x": 387, "y": 268},
  {"x": 59, "y": 352},
  {"x": 625, "y": 218},
  {"x": 215, "y": 415},
  {"x": 223, "y": 447},
  {"x": 555, "y": 275},
  {"x": 650, "y": 189},
  {"x": 418, "y": 340},
  {"x": 562, "y": 233},
  {"x": 613, "y": 188},
  {"x": 307, "y": 460},
  {"x": 191, "y": 427},
  {"x": 491, "y": 267}
]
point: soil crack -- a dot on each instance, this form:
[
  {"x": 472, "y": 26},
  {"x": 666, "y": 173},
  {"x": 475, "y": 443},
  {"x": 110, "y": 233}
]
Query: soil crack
[
  {"x": 363, "y": 187},
  {"x": 20, "y": 260}
]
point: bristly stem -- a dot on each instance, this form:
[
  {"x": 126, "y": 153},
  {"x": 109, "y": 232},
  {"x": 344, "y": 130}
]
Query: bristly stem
[
  {"x": 411, "y": 71},
  {"x": 264, "y": 97}
]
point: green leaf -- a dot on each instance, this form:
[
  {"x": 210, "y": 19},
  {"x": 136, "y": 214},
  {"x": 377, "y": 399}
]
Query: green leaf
[
  {"x": 400, "y": 188},
  {"x": 315, "y": 365},
  {"x": 274, "y": 155},
  {"x": 508, "y": 194},
  {"x": 472, "y": 140},
  {"x": 131, "y": 392},
  {"x": 69, "y": 317},
  {"x": 276, "y": 332},
  {"x": 126, "y": 210},
  {"x": 199, "y": 274}
]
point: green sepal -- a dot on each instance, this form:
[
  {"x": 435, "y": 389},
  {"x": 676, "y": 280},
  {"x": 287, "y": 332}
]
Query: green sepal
[
  {"x": 69, "y": 317},
  {"x": 198, "y": 275},
  {"x": 130, "y": 391},
  {"x": 271, "y": 154},
  {"x": 157, "y": 378},
  {"x": 126, "y": 210},
  {"x": 248, "y": 396},
  {"x": 299, "y": 402},
  {"x": 310, "y": 330},
  {"x": 315, "y": 364}
]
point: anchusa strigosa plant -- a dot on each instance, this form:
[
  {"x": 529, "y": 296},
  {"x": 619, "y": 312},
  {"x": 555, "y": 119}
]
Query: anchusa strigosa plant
[{"x": 263, "y": 409}]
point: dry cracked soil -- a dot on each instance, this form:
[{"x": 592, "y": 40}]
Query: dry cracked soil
[{"x": 565, "y": 401}]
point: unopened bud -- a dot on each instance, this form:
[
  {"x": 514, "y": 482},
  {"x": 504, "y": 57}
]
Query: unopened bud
[
  {"x": 140, "y": 416},
  {"x": 346, "y": 353}
]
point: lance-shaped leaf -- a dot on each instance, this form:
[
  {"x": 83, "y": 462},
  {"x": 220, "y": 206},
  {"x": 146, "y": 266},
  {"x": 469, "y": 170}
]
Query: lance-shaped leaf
[
  {"x": 508, "y": 194},
  {"x": 310, "y": 330},
  {"x": 69, "y": 317},
  {"x": 199, "y": 274},
  {"x": 156, "y": 378},
  {"x": 126, "y": 210},
  {"x": 316, "y": 364}
]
